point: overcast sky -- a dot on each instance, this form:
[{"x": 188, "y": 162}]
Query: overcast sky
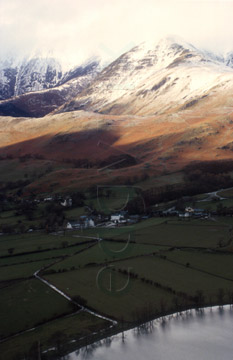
[{"x": 82, "y": 28}]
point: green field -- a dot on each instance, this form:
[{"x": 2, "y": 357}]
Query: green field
[
  {"x": 27, "y": 303},
  {"x": 41, "y": 255},
  {"x": 21, "y": 271},
  {"x": 35, "y": 242},
  {"x": 117, "y": 199},
  {"x": 219, "y": 264},
  {"x": 105, "y": 251},
  {"x": 213, "y": 205},
  {"x": 51, "y": 335},
  {"x": 226, "y": 193},
  {"x": 32, "y": 304},
  {"x": 134, "y": 273},
  {"x": 172, "y": 233},
  {"x": 182, "y": 235},
  {"x": 169, "y": 232},
  {"x": 177, "y": 276},
  {"x": 120, "y": 305},
  {"x": 75, "y": 213}
]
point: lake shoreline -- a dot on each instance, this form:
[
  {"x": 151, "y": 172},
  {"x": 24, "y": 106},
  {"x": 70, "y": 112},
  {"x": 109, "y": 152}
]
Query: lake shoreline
[
  {"x": 111, "y": 331},
  {"x": 147, "y": 327}
]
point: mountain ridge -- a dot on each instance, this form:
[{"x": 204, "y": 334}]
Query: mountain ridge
[
  {"x": 135, "y": 82},
  {"x": 162, "y": 107},
  {"x": 40, "y": 102},
  {"x": 36, "y": 72}
]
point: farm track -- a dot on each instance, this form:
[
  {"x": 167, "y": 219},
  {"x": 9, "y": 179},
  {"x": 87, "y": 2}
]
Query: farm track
[{"x": 67, "y": 297}]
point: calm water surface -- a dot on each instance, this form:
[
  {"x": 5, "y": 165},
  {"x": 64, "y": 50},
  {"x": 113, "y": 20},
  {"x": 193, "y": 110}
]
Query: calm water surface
[{"x": 202, "y": 335}]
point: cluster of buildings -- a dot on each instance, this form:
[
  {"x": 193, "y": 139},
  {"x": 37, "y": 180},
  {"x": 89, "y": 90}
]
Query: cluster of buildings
[
  {"x": 187, "y": 213},
  {"x": 66, "y": 202},
  {"x": 123, "y": 218},
  {"x": 84, "y": 223},
  {"x": 119, "y": 219}
]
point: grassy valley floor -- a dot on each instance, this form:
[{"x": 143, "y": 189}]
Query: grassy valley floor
[{"x": 135, "y": 273}]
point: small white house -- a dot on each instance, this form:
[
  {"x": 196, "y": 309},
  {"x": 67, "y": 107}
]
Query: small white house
[
  {"x": 48, "y": 199},
  {"x": 189, "y": 210},
  {"x": 67, "y": 202},
  {"x": 89, "y": 223},
  {"x": 72, "y": 225},
  {"x": 117, "y": 218},
  {"x": 69, "y": 226}
]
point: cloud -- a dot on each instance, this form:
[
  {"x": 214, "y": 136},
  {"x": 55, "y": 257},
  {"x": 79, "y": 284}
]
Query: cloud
[{"x": 78, "y": 29}]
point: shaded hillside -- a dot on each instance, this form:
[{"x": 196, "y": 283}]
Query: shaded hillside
[{"x": 40, "y": 103}]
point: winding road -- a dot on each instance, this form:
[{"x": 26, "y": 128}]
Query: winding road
[{"x": 67, "y": 297}]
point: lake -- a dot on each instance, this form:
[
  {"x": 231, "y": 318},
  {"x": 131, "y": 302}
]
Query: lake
[{"x": 206, "y": 334}]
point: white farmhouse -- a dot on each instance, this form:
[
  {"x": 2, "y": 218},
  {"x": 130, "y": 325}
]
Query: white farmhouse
[
  {"x": 89, "y": 223},
  {"x": 69, "y": 226},
  {"x": 73, "y": 225},
  {"x": 48, "y": 199},
  {"x": 189, "y": 210},
  {"x": 67, "y": 202},
  {"x": 117, "y": 218}
]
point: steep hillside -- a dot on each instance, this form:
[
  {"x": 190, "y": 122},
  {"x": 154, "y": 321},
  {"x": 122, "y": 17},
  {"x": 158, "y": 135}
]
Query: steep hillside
[
  {"x": 119, "y": 149},
  {"x": 40, "y": 103},
  {"x": 154, "y": 78},
  {"x": 36, "y": 71},
  {"x": 149, "y": 113}
]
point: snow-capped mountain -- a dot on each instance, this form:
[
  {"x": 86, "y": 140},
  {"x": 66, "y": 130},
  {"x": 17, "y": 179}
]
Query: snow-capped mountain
[
  {"x": 40, "y": 103},
  {"x": 156, "y": 77},
  {"x": 149, "y": 79},
  {"x": 38, "y": 85},
  {"x": 37, "y": 72},
  {"x": 165, "y": 104}
]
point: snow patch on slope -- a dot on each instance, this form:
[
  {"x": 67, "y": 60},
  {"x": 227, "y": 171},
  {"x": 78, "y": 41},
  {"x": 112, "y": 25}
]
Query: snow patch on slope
[
  {"x": 38, "y": 71},
  {"x": 154, "y": 75}
]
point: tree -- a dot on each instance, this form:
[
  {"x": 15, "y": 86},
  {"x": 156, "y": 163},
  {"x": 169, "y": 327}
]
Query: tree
[
  {"x": 176, "y": 303},
  {"x": 199, "y": 298},
  {"x": 34, "y": 351},
  {"x": 220, "y": 296},
  {"x": 79, "y": 300},
  {"x": 59, "y": 340},
  {"x": 163, "y": 305},
  {"x": 230, "y": 297}
]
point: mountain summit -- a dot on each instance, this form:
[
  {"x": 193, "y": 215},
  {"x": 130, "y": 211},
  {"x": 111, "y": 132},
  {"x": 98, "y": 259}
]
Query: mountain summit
[
  {"x": 155, "y": 109},
  {"x": 36, "y": 85},
  {"x": 155, "y": 77},
  {"x": 37, "y": 72},
  {"x": 152, "y": 78}
]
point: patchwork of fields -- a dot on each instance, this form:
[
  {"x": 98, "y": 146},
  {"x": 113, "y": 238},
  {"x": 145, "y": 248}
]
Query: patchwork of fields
[{"x": 129, "y": 274}]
